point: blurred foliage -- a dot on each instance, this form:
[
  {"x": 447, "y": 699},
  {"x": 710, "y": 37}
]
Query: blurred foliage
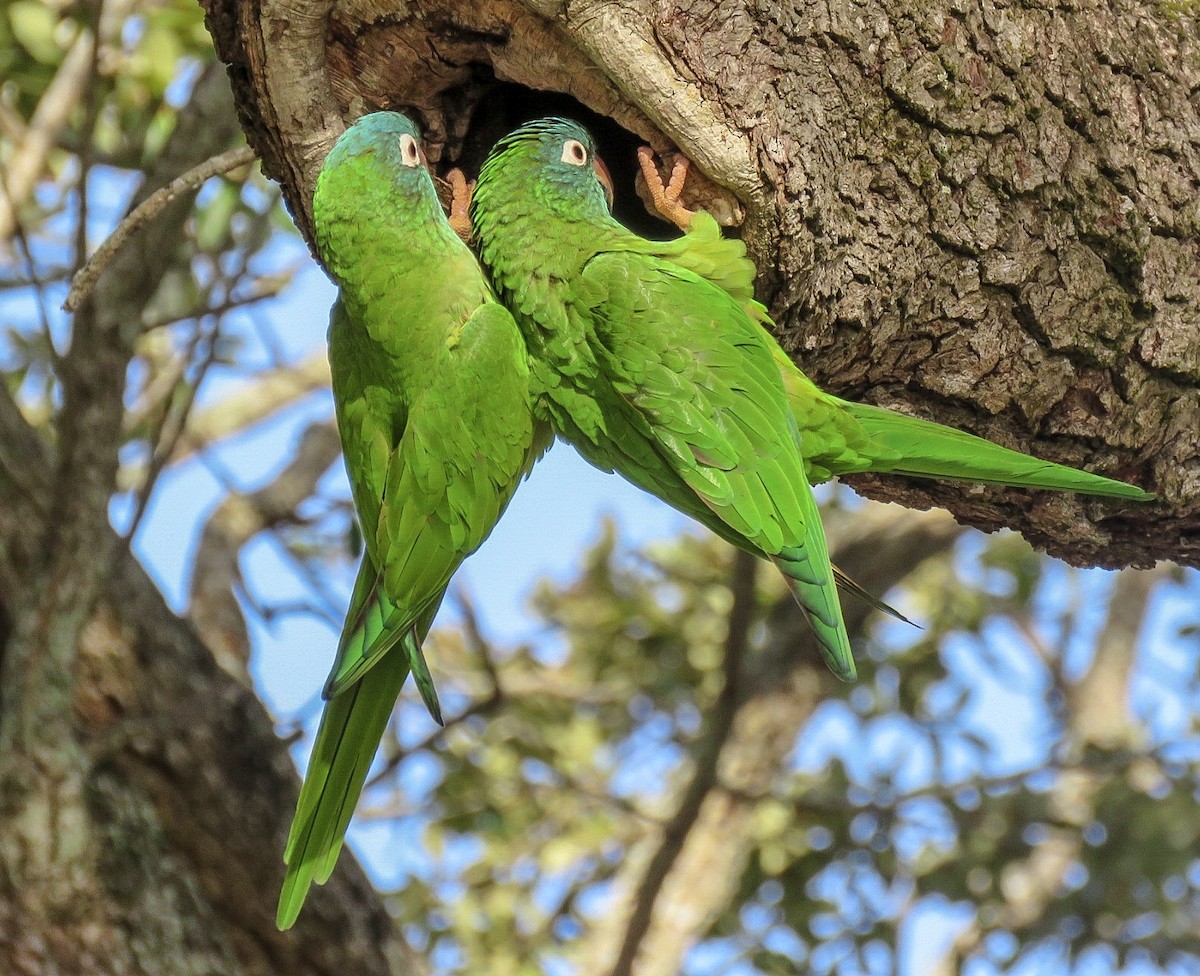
[
  {"x": 951, "y": 780},
  {"x": 125, "y": 106}
]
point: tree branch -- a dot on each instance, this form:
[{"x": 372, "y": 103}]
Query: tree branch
[
  {"x": 213, "y": 607},
  {"x": 146, "y": 795},
  {"x": 707, "y": 757},
  {"x": 86, "y": 277},
  {"x": 60, "y": 98},
  {"x": 1097, "y": 710},
  {"x": 778, "y": 691},
  {"x": 155, "y": 712}
]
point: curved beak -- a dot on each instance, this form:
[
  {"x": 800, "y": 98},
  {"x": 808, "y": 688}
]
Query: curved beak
[{"x": 605, "y": 179}]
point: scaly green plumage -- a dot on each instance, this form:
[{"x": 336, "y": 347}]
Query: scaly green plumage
[
  {"x": 647, "y": 368},
  {"x": 631, "y": 344},
  {"x": 431, "y": 387}
]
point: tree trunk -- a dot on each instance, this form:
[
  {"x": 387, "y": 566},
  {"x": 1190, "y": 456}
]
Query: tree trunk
[
  {"x": 147, "y": 837},
  {"x": 986, "y": 215}
]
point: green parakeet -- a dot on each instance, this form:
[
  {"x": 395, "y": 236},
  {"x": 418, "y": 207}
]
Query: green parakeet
[
  {"x": 432, "y": 393},
  {"x": 651, "y": 359}
]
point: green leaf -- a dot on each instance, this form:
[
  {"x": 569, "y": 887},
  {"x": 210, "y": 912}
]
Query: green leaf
[{"x": 35, "y": 25}]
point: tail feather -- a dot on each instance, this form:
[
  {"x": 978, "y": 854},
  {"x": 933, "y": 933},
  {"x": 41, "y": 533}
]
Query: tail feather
[
  {"x": 931, "y": 450},
  {"x": 351, "y": 728},
  {"x": 370, "y": 631},
  {"x": 374, "y": 626},
  {"x": 420, "y": 670},
  {"x": 820, "y": 604},
  {"x": 851, "y": 585}
]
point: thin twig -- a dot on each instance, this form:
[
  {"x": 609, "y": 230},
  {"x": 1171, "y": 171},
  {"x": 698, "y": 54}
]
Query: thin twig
[
  {"x": 261, "y": 293},
  {"x": 12, "y": 125},
  {"x": 165, "y": 444},
  {"x": 480, "y": 707},
  {"x": 573, "y": 784},
  {"x": 165, "y": 440},
  {"x": 87, "y": 276},
  {"x": 92, "y": 98},
  {"x": 488, "y": 703},
  {"x": 267, "y": 335},
  {"x": 312, "y": 579},
  {"x": 265, "y": 395},
  {"x": 296, "y": 608},
  {"x": 163, "y": 379},
  {"x": 39, "y": 284},
  {"x": 47, "y": 278},
  {"x": 216, "y": 578}
]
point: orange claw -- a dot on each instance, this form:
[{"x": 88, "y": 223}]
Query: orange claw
[
  {"x": 460, "y": 203},
  {"x": 666, "y": 198}
]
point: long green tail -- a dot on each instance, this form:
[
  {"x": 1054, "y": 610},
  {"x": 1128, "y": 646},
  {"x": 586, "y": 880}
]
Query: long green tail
[
  {"x": 930, "y": 450},
  {"x": 351, "y": 728}
]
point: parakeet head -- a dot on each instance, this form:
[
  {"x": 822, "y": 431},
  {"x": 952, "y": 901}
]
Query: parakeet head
[
  {"x": 373, "y": 187},
  {"x": 391, "y": 142},
  {"x": 554, "y": 161}
]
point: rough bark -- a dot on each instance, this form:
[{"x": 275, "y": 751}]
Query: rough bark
[{"x": 985, "y": 214}]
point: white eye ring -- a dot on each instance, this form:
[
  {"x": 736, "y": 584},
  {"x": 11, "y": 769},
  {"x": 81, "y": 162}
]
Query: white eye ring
[
  {"x": 410, "y": 155},
  {"x": 574, "y": 152}
]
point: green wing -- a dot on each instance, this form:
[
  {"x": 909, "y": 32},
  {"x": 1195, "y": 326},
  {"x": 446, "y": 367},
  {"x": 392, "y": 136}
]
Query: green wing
[
  {"x": 720, "y": 260},
  {"x": 695, "y": 407},
  {"x": 461, "y": 448}
]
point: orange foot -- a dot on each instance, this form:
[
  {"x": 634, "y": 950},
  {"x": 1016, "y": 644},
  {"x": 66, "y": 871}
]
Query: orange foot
[
  {"x": 666, "y": 198},
  {"x": 460, "y": 203}
]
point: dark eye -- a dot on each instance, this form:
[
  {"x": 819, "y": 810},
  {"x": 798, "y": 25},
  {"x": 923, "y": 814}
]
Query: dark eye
[
  {"x": 409, "y": 153},
  {"x": 574, "y": 152}
]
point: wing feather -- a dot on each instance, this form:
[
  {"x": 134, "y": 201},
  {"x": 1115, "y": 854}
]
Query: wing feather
[
  {"x": 722, "y": 421},
  {"x": 692, "y": 380},
  {"x": 456, "y": 459}
]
